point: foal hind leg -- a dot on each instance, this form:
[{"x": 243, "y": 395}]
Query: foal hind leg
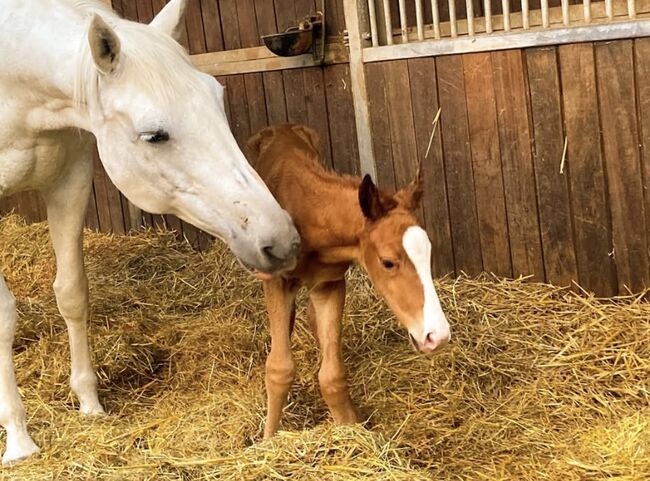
[
  {"x": 280, "y": 366},
  {"x": 66, "y": 208},
  {"x": 327, "y": 301},
  {"x": 12, "y": 412}
]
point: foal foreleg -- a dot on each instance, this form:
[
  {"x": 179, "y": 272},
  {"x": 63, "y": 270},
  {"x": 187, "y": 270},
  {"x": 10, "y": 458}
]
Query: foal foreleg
[
  {"x": 328, "y": 300},
  {"x": 12, "y": 412},
  {"x": 280, "y": 366},
  {"x": 66, "y": 208}
]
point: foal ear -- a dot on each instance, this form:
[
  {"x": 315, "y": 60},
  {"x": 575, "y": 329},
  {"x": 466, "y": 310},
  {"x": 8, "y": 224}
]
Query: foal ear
[
  {"x": 104, "y": 45},
  {"x": 411, "y": 195},
  {"x": 170, "y": 19},
  {"x": 370, "y": 200},
  {"x": 308, "y": 135},
  {"x": 257, "y": 143}
]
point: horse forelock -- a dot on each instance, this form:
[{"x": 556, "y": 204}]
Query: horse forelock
[{"x": 149, "y": 60}]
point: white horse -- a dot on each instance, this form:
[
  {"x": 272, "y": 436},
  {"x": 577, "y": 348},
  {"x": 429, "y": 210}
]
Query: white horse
[{"x": 71, "y": 70}]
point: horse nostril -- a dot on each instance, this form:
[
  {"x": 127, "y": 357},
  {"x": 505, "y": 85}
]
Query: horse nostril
[{"x": 268, "y": 252}]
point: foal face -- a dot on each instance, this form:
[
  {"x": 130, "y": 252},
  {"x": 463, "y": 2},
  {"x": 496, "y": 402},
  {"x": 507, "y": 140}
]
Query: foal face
[{"x": 396, "y": 253}]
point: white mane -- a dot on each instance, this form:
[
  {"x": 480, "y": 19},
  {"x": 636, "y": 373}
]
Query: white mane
[{"x": 149, "y": 59}]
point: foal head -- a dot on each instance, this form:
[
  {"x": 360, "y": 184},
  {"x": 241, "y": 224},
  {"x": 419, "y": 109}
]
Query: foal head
[{"x": 396, "y": 253}]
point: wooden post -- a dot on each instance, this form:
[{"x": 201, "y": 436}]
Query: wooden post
[
  {"x": 487, "y": 9},
  {"x": 373, "y": 23},
  {"x": 359, "y": 91},
  {"x": 436, "y": 18},
  {"x": 565, "y": 12}
]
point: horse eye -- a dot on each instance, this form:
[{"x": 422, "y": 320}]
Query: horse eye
[
  {"x": 157, "y": 137},
  {"x": 388, "y": 264}
]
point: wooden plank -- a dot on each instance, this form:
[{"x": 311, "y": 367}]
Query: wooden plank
[
  {"x": 145, "y": 10},
  {"x": 92, "y": 220},
  {"x": 596, "y": 270},
  {"x": 340, "y": 111},
  {"x": 212, "y": 25},
  {"x": 276, "y": 104},
  {"x": 486, "y": 163},
  {"x": 316, "y": 105},
  {"x": 101, "y": 195},
  {"x": 194, "y": 25},
  {"x": 642, "y": 66},
  {"x": 400, "y": 120},
  {"x": 424, "y": 99},
  {"x": 511, "y": 95},
  {"x": 275, "y": 100},
  {"x": 381, "y": 140},
  {"x": 552, "y": 186},
  {"x": 458, "y": 165},
  {"x": 616, "y": 98}
]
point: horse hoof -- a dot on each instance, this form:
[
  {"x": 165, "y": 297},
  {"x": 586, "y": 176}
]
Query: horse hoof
[
  {"x": 94, "y": 409},
  {"x": 19, "y": 451}
]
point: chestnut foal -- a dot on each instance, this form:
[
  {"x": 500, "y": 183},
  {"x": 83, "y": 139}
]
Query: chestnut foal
[{"x": 340, "y": 220}]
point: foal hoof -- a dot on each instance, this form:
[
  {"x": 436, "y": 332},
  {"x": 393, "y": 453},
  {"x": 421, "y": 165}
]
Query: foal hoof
[{"x": 19, "y": 451}]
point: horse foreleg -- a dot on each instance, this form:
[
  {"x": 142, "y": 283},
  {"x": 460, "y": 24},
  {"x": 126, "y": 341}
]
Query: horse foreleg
[
  {"x": 280, "y": 366},
  {"x": 12, "y": 412},
  {"x": 328, "y": 301},
  {"x": 66, "y": 208}
]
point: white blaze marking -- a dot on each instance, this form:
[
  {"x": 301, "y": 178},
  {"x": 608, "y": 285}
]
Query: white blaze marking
[{"x": 418, "y": 248}]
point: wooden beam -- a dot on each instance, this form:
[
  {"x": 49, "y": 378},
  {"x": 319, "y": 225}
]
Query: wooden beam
[
  {"x": 359, "y": 91},
  {"x": 260, "y": 59},
  {"x": 514, "y": 40}
]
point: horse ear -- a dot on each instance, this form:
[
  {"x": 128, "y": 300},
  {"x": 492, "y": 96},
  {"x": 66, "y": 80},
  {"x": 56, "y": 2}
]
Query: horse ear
[
  {"x": 308, "y": 135},
  {"x": 104, "y": 45},
  {"x": 370, "y": 200},
  {"x": 170, "y": 19},
  {"x": 411, "y": 195}
]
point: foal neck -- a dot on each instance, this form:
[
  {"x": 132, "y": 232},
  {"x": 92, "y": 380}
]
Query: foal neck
[{"x": 338, "y": 220}]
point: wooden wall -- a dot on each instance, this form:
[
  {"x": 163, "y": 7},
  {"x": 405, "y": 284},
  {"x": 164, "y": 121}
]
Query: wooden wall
[{"x": 496, "y": 199}]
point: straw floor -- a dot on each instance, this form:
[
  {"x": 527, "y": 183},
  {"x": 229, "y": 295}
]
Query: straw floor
[{"x": 538, "y": 383}]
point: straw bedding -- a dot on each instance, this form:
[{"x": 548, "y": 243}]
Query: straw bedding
[{"x": 539, "y": 383}]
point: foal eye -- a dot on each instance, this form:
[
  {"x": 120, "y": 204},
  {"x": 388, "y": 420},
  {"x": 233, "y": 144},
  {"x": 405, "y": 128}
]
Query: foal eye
[
  {"x": 157, "y": 137},
  {"x": 388, "y": 264}
]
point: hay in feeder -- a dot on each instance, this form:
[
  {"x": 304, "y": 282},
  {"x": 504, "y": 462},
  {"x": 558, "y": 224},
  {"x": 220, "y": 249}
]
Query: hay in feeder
[{"x": 538, "y": 383}]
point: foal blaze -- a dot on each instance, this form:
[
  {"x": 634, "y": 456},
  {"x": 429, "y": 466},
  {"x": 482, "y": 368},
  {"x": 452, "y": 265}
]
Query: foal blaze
[{"x": 341, "y": 220}]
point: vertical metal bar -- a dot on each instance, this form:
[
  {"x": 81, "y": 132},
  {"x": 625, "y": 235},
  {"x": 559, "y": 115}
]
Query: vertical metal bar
[
  {"x": 388, "y": 21},
  {"x": 506, "y": 15},
  {"x": 609, "y": 11},
  {"x": 419, "y": 17},
  {"x": 402, "y": 21},
  {"x": 586, "y": 8},
  {"x": 470, "y": 17},
  {"x": 373, "y": 23},
  {"x": 565, "y": 12},
  {"x": 525, "y": 11},
  {"x": 359, "y": 90},
  {"x": 545, "y": 19},
  {"x": 631, "y": 8},
  {"x": 452, "y": 18},
  {"x": 487, "y": 8},
  {"x": 436, "y": 18}
]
